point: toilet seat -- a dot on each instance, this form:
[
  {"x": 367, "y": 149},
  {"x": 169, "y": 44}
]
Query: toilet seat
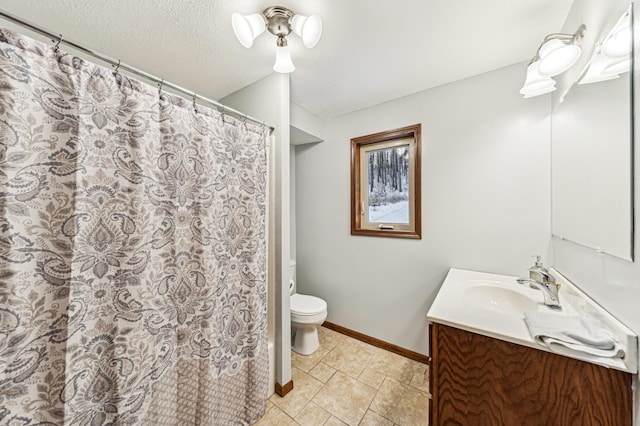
[{"x": 304, "y": 305}]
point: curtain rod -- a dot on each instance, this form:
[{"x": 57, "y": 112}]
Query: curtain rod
[{"x": 58, "y": 38}]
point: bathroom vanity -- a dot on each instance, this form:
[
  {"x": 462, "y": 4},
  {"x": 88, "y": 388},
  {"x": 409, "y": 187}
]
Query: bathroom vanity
[
  {"x": 479, "y": 380},
  {"x": 487, "y": 370}
]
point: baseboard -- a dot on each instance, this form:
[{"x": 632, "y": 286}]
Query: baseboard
[
  {"x": 282, "y": 390},
  {"x": 377, "y": 342}
]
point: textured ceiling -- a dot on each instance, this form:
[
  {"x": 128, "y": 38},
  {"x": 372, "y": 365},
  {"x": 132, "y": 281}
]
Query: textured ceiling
[{"x": 370, "y": 52}]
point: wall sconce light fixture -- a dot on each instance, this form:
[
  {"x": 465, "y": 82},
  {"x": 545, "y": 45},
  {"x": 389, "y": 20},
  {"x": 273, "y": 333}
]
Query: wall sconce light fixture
[
  {"x": 280, "y": 22},
  {"x": 612, "y": 56},
  {"x": 556, "y": 54}
]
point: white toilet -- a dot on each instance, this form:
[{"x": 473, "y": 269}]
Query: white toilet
[{"x": 307, "y": 313}]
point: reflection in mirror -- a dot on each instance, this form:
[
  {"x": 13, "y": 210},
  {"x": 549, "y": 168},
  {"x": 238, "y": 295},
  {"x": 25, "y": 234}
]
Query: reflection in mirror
[
  {"x": 592, "y": 137},
  {"x": 611, "y": 57}
]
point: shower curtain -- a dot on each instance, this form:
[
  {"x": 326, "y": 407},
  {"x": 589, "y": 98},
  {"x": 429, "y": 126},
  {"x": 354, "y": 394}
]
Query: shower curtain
[{"x": 132, "y": 250}]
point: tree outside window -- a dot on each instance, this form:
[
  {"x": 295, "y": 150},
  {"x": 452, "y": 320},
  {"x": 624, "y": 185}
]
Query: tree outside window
[{"x": 385, "y": 184}]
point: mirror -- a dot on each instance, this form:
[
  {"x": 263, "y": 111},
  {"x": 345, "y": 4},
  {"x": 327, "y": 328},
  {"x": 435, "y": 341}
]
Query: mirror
[{"x": 591, "y": 149}]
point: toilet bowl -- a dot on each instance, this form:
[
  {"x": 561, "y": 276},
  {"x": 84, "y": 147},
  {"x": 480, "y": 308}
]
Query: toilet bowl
[{"x": 307, "y": 313}]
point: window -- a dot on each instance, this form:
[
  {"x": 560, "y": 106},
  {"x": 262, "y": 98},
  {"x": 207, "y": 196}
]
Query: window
[{"x": 385, "y": 184}]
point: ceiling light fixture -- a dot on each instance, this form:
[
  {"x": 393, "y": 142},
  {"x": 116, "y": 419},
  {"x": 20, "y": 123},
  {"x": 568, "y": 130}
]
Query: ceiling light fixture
[
  {"x": 556, "y": 54},
  {"x": 280, "y": 22}
]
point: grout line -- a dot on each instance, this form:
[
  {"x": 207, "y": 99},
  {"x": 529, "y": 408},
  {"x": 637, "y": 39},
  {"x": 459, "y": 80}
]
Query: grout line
[{"x": 364, "y": 346}]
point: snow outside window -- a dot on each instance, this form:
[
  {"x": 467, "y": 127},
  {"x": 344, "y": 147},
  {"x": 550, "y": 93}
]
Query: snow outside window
[{"x": 385, "y": 183}]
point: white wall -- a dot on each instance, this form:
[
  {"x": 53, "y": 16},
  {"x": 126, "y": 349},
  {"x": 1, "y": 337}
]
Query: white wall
[
  {"x": 485, "y": 204},
  {"x": 292, "y": 195},
  {"x": 305, "y": 128},
  {"x": 268, "y": 99}
]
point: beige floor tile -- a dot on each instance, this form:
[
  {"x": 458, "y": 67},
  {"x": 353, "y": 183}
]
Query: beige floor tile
[
  {"x": 373, "y": 419},
  {"x": 307, "y": 362},
  {"x": 322, "y": 372},
  {"x": 276, "y": 417},
  {"x": 269, "y": 406},
  {"x": 334, "y": 421},
  {"x": 347, "y": 358},
  {"x": 304, "y": 389},
  {"x": 362, "y": 345},
  {"x": 402, "y": 404},
  {"x": 422, "y": 368},
  {"x": 336, "y": 386},
  {"x": 371, "y": 378},
  {"x": 420, "y": 379},
  {"x": 394, "y": 365},
  {"x": 312, "y": 415},
  {"x": 345, "y": 398},
  {"x": 329, "y": 338}
]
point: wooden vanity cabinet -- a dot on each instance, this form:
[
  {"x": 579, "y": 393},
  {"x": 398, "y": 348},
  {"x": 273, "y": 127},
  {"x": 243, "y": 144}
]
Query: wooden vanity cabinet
[{"x": 478, "y": 380}]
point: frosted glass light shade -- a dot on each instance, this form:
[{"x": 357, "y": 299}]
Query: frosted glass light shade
[
  {"x": 535, "y": 83},
  {"x": 247, "y": 28},
  {"x": 283, "y": 64},
  {"x": 619, "y": 44},
  {"x": 309, "y": 29},
  {"x": 556, "y": 57},
  {"x": 596, "y": 78},
  {"x": 596, "y": 70},
  {"x": 619, "y": 67}
]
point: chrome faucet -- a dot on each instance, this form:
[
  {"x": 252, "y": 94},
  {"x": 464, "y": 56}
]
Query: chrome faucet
[{"x": 548, "y": 286}]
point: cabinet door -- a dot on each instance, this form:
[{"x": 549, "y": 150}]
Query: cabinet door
[{"x": 477, "y": 380}]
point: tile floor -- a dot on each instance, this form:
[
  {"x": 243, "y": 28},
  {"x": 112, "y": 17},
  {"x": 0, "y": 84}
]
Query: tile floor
[{"x": 348, "y": 382}]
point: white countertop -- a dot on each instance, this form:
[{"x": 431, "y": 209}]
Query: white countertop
[{"x": 466, "y": 301}]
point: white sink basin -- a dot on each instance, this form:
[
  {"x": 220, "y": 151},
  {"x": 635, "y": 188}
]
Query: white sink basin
[
  {"x": 499, "y": 298},
  {"x": 494, "y": 305}
]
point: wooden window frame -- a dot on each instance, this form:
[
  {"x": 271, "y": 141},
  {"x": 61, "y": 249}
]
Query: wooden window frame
[{"x": 360, "y": 226}]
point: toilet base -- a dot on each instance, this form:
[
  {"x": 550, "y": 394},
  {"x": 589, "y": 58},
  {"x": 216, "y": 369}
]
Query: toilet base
[{"x": 306, "y": 340}]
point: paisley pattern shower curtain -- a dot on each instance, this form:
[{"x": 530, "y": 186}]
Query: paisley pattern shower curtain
[{"x": 132, "y": 250}]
